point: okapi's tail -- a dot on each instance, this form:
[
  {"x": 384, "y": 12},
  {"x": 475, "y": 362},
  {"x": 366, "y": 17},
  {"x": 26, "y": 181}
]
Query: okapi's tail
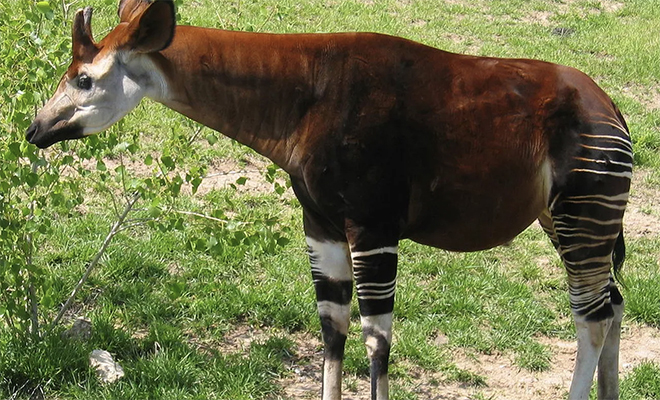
[
  {"x": 619, "y": 253},
  {"x": 618, "y": 256}
]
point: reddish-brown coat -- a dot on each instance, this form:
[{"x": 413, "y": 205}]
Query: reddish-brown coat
[{"x": 452, "y": 147}]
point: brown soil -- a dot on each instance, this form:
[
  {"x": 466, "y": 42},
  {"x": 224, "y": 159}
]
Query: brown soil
[{"x": 504, "y": 380}]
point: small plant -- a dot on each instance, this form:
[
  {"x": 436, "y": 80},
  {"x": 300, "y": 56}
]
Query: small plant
[{"x": 30, "y": 187}]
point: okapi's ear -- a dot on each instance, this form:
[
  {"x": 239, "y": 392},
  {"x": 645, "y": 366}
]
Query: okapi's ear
[
  {"x": 128, "y": 9},
  {"x": 84, "y": 47},
  {"x": 153, "y": 29}
]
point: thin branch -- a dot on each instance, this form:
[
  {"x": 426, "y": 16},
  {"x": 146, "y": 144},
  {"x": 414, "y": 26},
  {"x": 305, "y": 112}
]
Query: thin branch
[
  {"x": 195, "y": 135},
  {"x": 113, "y": 231},
  {"x": 34, "y": 311}
]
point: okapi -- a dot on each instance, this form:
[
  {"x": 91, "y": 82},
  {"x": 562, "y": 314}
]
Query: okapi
[{"x": 385, "y": 139}]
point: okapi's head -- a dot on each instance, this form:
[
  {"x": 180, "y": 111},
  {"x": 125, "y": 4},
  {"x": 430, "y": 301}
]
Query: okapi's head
[{"x": 107, "y": 79}]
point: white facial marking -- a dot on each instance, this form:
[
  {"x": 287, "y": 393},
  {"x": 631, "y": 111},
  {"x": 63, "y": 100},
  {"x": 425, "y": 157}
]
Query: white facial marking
[
  {"x": 118, "y": 82},
  {"x": 112, "y": 95}
]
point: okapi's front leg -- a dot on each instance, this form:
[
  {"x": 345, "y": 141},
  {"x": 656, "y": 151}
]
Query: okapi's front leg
[
  {"x": 333, "y": 281},
  {"x": 374, "y": 267}
]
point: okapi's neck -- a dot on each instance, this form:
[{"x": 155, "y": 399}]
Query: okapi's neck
[{"x": 255, "y": 88}]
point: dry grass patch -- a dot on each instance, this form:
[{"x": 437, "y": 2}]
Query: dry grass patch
[{"x": 642, "y": 217}]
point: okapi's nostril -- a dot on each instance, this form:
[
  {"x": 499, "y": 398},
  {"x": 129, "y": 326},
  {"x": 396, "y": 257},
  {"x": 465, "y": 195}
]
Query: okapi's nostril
[{"x": 31, "y": 132}]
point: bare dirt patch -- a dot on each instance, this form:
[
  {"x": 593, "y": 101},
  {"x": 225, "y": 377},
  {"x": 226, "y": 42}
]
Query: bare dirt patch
[
  {"x": 504, "y": 380},
  {"x": 642, "y": 217},
  {"x": 507, "y": 381},
  {"x": 647, "y": 95},
  {"x": 544, "y": 17},
  {"x": 538, "y": 17},
  {"x": 221, "y": 174}
]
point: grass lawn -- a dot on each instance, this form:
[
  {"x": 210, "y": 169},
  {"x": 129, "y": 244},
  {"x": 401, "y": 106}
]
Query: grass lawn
[{"x": 204, "y": 309}]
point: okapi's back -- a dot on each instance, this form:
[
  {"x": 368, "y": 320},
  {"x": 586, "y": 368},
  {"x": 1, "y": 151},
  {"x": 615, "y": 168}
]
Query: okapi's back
[
  {"x": 482, "y": 137},
  {"x": 465, "y": 142}
]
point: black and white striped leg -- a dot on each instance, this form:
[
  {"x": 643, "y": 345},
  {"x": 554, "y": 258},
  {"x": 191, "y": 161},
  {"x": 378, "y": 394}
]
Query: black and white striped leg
[
  {"x": 333, "y": 281},
  {"x": 375, "y": 276},
  {"x": 587, "y": 231},
  {"x": 608, "y": 364},
  {"x": 586, "y": 228}
]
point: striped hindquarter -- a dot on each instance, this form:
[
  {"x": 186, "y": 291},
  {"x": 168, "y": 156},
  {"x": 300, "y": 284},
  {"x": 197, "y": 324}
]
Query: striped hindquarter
[{"x": 584, "y": 222}]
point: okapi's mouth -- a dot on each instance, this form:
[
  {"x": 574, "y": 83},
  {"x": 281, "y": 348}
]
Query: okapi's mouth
[{"x": 60, "y": 131}]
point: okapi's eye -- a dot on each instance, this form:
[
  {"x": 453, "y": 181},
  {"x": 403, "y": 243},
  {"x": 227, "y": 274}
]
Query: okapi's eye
[{"x": 84, "y": 82}]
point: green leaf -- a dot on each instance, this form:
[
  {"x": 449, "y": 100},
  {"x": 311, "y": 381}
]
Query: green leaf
[
  {"x": 31, "y": 179},
  {"x": 44, "y": 7},
  {"x": 154, "y": 211},
  {"x": 15, "y": 149},
  {"x": 195, "y": 184},
  {"x": 212, "y": 139},
  {"x": 123, "y": 146},
  {"x": 168, "y": 162},
  {"x": 47, "y": 300}
]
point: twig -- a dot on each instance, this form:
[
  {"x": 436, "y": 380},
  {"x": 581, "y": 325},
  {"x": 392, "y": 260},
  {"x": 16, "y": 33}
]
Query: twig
[
  {"x": 195, "y": 135},
  {"x": 34, "y": 311},
  {"x": 113, "y": 231}
]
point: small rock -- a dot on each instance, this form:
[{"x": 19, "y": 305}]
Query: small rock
[
  {"x": 107, "y": 369},
  {"x": 81, "y": 330}
]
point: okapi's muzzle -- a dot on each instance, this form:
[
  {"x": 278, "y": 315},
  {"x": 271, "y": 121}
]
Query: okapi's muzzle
[{"x": 45, "y": 136}]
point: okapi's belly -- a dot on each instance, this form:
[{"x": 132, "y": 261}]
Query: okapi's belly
[{"x": 478, "y": 215}]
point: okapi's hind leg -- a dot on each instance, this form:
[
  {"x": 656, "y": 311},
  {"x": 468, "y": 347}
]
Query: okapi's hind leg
[
  {"x": 585, "y": 247},
  {"x": 586, "y": 228},
  {"x": 608, "y": 371},
  {"x": 591, "y": 181},
  {"x": 608, "y": 364}
]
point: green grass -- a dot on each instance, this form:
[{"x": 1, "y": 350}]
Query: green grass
[{"x": 162, "y": 301}]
